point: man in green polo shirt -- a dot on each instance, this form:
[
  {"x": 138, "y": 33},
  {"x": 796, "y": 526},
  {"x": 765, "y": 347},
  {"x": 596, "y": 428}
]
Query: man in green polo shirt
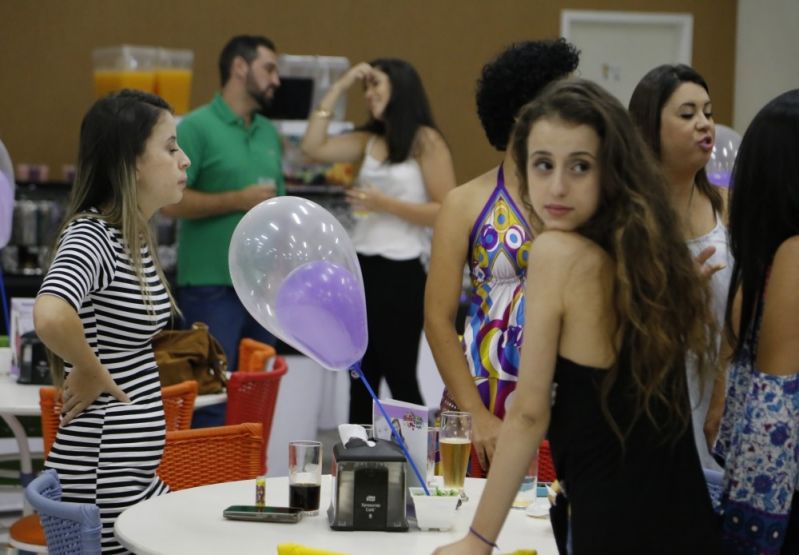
[{"x": 235, "y": 158}]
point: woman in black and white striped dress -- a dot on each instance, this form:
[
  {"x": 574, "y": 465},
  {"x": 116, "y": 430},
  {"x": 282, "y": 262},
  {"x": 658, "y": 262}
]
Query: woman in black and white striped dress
[{"x": 103, "y": 301}]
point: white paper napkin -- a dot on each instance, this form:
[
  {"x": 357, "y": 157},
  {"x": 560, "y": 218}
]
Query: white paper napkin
[{"x": 349, "y": 431}]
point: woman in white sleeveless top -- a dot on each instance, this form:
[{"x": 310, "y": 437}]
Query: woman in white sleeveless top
[
  {"x": 406, "y": 170},
  {"x": 672, "y": 108}
]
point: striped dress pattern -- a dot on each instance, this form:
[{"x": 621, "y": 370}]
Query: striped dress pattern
[{"x": 108, "y": 454}]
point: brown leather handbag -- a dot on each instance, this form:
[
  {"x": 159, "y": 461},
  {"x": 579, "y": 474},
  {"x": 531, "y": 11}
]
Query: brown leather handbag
[{"x": 192, "y": 354}]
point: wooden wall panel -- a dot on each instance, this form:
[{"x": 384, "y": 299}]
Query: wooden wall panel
[{"x": 45, "y": 52}]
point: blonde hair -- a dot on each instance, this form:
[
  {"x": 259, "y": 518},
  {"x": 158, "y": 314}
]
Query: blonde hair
[{"x": 113, "y": 135}]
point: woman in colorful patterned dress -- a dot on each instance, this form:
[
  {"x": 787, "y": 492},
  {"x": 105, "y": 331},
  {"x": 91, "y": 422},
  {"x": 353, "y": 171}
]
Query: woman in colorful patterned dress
[
  {"x": 103, "y": 300},
  {"x": 483, "y": 224},
  {"x": 759, "y": 436}
]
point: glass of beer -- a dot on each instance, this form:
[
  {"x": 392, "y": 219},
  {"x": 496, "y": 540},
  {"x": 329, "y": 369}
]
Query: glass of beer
[
  {"x": 305, "y": 475},
  {"x": 455, "y": 444}
]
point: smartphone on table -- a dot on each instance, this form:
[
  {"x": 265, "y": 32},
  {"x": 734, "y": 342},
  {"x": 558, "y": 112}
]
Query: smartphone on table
[{"x": 263, "y": 514}]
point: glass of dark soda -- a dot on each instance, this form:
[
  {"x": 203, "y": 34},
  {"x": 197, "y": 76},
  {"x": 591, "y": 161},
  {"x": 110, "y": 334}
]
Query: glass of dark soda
[{"x": 305, "y": 475}]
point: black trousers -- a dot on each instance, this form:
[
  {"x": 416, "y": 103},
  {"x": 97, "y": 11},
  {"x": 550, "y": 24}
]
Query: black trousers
[{"x": 395, "y": 312}]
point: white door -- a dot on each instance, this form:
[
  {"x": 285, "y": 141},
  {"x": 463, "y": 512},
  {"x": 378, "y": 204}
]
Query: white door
[{"x": 618, "y": 48}]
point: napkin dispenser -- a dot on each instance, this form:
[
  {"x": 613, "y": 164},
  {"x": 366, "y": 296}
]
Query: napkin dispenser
[
  {"x": 368, "y": 487},
  {"x": 33, "y": 365}
]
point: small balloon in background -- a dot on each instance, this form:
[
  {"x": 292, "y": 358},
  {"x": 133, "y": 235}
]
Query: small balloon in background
[
  {"x": 6, "y": 208},
  {"x": 722, "y": 159},
  {"x": 295, "y": 269}
]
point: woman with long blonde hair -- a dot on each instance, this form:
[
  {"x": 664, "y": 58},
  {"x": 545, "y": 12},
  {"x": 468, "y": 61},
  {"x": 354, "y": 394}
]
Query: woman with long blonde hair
[{"x": 104, "y": 298}]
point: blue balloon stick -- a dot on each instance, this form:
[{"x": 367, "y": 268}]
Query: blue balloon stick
[{"x": 394, "y": 432}]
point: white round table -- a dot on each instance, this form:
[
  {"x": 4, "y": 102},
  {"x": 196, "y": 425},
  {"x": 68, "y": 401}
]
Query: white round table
[
  {"x": 19, "y": 400},
  {"x": 190, "y": 522},
  {"x": 210, "y": 399}
]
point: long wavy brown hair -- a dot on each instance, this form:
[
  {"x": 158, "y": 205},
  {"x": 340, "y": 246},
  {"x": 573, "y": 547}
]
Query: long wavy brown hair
[{"x": 660, "y": 301}]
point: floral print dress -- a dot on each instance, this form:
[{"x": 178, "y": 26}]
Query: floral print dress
[{"x": 759, "y": 443}]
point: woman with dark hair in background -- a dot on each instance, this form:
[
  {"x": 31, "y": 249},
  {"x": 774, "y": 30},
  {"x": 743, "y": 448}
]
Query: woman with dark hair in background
[
  {"x": 483, "y": 224},
  {"x": 759, "y": 437},
  {"x": 406, "y": 170},
  {"x": 102, "y": 301},
  {"x": 613, "y": 306},
  {"x": 671, "y": 106}
]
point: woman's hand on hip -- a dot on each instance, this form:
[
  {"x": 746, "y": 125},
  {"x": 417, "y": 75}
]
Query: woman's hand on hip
[{"x": 83, "y": 386}]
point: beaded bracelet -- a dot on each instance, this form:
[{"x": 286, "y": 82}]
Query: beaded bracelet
[{"x": 483, "y": 538}]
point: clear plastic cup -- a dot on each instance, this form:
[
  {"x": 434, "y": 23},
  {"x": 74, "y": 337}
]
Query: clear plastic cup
[{"x": 528, "y": 489}]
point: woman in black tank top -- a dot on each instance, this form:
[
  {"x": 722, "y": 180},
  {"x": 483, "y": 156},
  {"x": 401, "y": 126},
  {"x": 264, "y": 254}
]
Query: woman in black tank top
[{"x": 614, "y": 303}]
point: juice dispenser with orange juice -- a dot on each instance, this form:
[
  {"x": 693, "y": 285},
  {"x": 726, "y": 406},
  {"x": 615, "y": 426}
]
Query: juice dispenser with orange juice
[
  {"x": 166, "y": 72},
  {"x": 173, "y": 78},
  {"x": 124, "y": 67}
]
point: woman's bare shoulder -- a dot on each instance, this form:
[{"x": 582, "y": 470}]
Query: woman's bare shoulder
[
  {"x": 789, "y": 249},
  {"x": 566, "y": 246},
  {"x": 569, "y": 258},
  {"x": 429, "y": 143},
  {"x": 429, "y": 137},
  {"x": 785, "y": 266},
  {"x": 472, "y": 195}
]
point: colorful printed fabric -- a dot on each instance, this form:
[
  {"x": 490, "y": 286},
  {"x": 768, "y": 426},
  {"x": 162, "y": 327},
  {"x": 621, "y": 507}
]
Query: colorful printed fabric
[
  {"x": 759, "y": 442},
  {"x": 492, "y": 338}
]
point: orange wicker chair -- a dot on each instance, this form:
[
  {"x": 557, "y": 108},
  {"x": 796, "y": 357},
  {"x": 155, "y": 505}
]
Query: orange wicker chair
[
  {"x": 179, "y": 404},
  {"x": 252, "y": 396},
  {"x": 204, "y": 456},
  {"x": 27, "y": 533},
  {"x": 178, "y": 407},
  {"x": 253, "y": 355},
  {"x": 50, "y": 405},
  {"x": 546, "y": 467}
]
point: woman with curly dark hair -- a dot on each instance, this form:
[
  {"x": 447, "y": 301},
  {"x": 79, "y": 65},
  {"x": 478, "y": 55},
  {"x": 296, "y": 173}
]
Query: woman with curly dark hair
[
  {"x": 759, "y": 438},
  {"x": 406, "y": 170},
  {"x": 614, "y": 304},
  {"x": 482, "y": 224}
]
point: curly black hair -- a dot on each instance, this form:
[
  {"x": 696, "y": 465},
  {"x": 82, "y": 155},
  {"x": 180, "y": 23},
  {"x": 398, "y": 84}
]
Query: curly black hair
[{"x": 514, "y": 78}]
